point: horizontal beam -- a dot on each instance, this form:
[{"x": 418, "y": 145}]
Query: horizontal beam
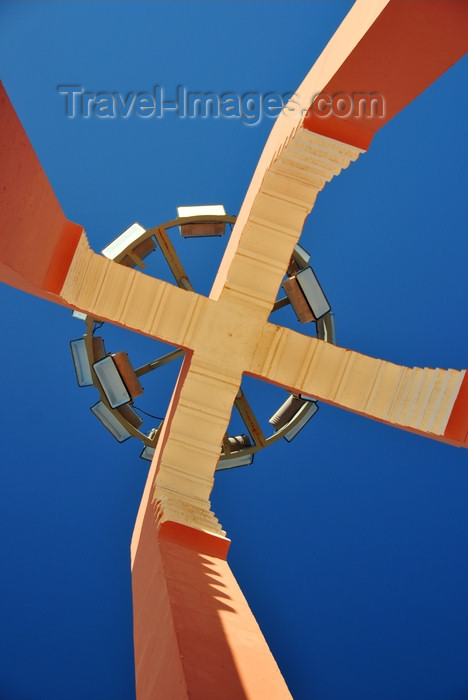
[{"x": 417, "y": 399}]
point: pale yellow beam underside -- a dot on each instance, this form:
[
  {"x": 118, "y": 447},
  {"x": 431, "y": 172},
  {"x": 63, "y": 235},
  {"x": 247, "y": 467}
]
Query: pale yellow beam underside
[
  {"x": 126, "y": 297},
  {"x": 286, "y": 196},
  {"x": 414, "y": 398}
]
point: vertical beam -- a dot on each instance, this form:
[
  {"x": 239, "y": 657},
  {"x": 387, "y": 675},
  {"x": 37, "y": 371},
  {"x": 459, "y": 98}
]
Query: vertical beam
[{"x": 194, "y": 634}]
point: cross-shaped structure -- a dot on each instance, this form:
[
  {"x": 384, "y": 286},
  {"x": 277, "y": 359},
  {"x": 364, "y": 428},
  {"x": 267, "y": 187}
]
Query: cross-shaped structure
[{"x": 179, "y": 548}]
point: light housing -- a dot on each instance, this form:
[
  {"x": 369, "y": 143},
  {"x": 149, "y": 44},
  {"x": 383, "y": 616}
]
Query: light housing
[
  {"x": 238, "y": 442},
  {"x": 111, "y": 382},
  {"x": 81, "y": 362},
  {"x": 127, "y": 374},
  {"x": 147, "y": 453},
  {"x": 79, "y": 352},
  {"x": 202, "y": 228},
  {"x": 286, "y": 412},
  {"x": 299, "y": 260},
  {"x": 313, "y": 292},
  {"x": 109, "y": 421},
  {"x": 301, "y": 256},
  {"x": 133, "y": 238},
  {"x": 306, "y": 296},
  {"x": 79, "y": 315},
  {"x": 306, "y": 412},
  {"x": 231, "y": 462}
]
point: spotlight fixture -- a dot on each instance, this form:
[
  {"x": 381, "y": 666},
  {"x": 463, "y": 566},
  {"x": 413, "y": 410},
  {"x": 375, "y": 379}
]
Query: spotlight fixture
[
  {"x": 209, "y": 226},
  {"x": 147, "y": 453},
  {"x": 306, "y": 296},
  {"x": 131, "y": 247},
  {"x": 109, "y": 421},
  {"x": 303, "y": 416},
  {"x": 293, "y": 414},
  {"x": 242, "y": 460},
  {"x": 111, "y": 382},
  {"x": 81, "y": 362}
]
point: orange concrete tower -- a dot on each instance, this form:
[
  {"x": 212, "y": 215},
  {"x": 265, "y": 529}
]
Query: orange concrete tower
[{"x": 194, "y": 634}]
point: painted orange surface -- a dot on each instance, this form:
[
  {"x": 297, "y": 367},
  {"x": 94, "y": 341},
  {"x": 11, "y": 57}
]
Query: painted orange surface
[
  {"x": 457, "y": 426},
  {"x": 407, "y": 48},
  {"x": 37, "y": 242},
  {"x": 194, "y": 634}
]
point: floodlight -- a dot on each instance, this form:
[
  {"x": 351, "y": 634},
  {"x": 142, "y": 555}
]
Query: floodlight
[
  {"x": 80, "y": 315},
  {"x": 231, "y": 462},
  {"x": 130, "y": 238},
  {"x": 298, "y": 301},
  {"x": 202, "y": 228},
  {"x": 110, "y": 422},
  {"x": 308, "y": 410},
  {"x": 147, "y": 453},
  {"x": 81, "y": 362},
  {"x": 286, "y": 411},
  {"x": 306, "y": 296},
  {"x": 301, "y": 256},
  {"x": 299, "y": 260},
  {"x": 313, "y": 292},
  {"x": 111, "y": 382},
  {"x": 128, "y": 374},
  {"x": 238, "y": 442}
]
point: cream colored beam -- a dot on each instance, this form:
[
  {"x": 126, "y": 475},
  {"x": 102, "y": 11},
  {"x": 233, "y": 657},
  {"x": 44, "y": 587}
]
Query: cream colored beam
[
  {"x": 191, "y": 444},
  {"x": 284, "y": 199},
  {"x": 224, "y": 339},
  {"x": 104, "y": 289},
  {"x": 356, "y": 24},
  {"x": 411, "y": 398}
]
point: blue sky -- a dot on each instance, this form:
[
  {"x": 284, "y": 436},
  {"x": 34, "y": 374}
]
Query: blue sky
[{"x": 350, "y": 542}]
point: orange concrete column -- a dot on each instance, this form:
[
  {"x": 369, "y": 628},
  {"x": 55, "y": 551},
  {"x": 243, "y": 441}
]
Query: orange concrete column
[
  {"x": 37, "y": 242},
  {"x": 194, "y": 634},
  {"x": 406, "y": 48}
]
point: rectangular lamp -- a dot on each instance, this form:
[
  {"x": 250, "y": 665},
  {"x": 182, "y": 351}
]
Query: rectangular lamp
[
  {"x": 207, "y": 228},
  {"x": 110, "y": 422},
  {"x": 80, "y": 362},
  {"x": 301, "y": 256},
  {"x": 111, "y": 382},
  {"x": 306, "y": 412},
  {"x": 80, "y": 315},
  {"x": 127, "y": 374},
  {"x": 147, "y": 453},
  {"x": 119, "y": 244},
  {"x": 286, "y": 412},
  {"x": 306, "y": 296},
  {"x": 231, "y": 462},
  {"x": 313, "y": 292}
]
